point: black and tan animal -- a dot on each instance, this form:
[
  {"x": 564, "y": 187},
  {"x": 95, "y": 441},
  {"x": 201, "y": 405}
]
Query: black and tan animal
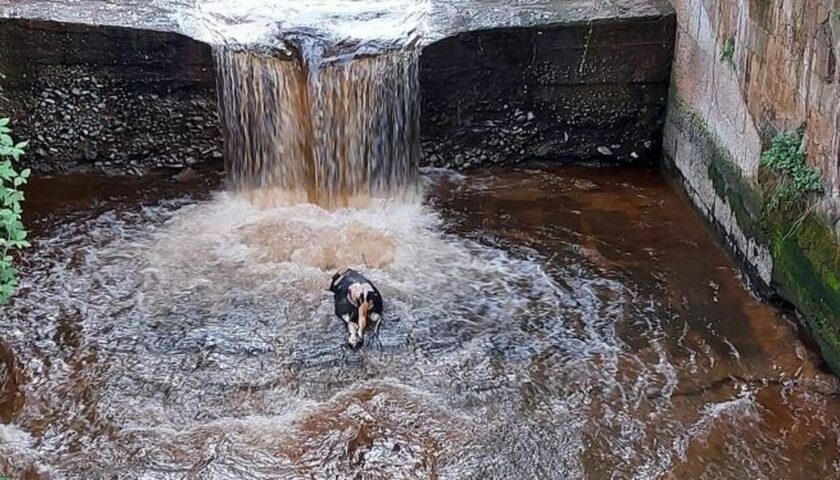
[{"x": 357, "y": 302}]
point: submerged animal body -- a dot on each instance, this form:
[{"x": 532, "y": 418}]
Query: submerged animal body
[{"x": 357, "y": 302}]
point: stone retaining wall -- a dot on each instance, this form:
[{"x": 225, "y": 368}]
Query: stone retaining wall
[
  {"x": 591, "y": 91},
  {"x": 124, "y": 100},
  {"x": 745, "y": 70},
  {"x": 111, "y": 99}
]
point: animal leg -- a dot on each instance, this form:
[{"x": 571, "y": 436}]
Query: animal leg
[
  {"x": 377, "y": 322},
  {"x": 363, "y": 318},
  {"x": 353, "y": 337}
]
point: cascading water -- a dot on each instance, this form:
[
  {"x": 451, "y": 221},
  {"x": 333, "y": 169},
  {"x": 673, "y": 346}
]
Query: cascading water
[
  {"x": 320, "y": 116},
  {"x": 321, "y": 130}
]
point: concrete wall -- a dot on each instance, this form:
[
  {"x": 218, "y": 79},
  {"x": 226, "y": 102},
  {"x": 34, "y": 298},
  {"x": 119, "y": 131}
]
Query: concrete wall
[
  {"x": 580, "y": 91},
  {"x": 112, "y": 99},
  {"x": 123, "y": 100},
  {"x": 722, "y": 113}
]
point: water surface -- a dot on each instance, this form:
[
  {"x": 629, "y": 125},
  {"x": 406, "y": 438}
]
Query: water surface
[{"x": 540, "y": 323}]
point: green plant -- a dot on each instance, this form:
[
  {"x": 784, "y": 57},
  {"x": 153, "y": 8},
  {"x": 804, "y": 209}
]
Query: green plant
[
  {"x": 727, "y": 53},
  {"x": 787, "y": 180},
  {"x": 12, "y": 231}
]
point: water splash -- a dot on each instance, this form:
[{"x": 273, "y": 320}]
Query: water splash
[{"x": 206, "y": 333}]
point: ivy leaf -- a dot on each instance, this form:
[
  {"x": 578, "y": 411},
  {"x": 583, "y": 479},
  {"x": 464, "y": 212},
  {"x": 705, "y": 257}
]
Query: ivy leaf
[
  {"x": 10, "y": 210},
  {"x": 6, "y": 170}
]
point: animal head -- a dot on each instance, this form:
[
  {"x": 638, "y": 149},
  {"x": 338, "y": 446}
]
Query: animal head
[
  {"x": 336, "y": 279},
  {"x": 360, "y": 295},
  {"x": 354, "y": 338}
]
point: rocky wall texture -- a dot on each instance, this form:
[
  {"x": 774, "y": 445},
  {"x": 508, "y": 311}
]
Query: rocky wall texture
[
  {"x": 111, "y": 99},
  {"x": 744, "y": 71},
  {"x": 583, "y": 91}
]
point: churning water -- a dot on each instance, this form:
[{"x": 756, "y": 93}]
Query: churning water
[{"x": 178, "y": 335}]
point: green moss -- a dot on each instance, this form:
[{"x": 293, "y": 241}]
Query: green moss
[
  {"x": 806, "y": 268},
  {"x": 727, "y": 52},
  {"x": 806, "y": 255},
  {"x": 743, "y": 197},
  {"x": 805, "y": 249}
]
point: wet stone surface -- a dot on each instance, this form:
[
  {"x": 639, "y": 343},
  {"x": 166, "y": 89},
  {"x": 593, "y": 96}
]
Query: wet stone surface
[
  {"x": 11, "y": 383},
  {"x": 108, "y": 129},
  {"x": 540, "y": 323}
]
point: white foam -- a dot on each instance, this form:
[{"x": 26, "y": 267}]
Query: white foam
[
  {"x": 12, "y": 435},
  {"x": 260, "y": 21}
]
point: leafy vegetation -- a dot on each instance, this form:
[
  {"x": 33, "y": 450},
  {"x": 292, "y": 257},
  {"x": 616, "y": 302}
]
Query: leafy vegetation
[
  {"x": 12, "y": 231},
  {"x": 727, "y": 53},
  {"x": 787, "y": 180}
]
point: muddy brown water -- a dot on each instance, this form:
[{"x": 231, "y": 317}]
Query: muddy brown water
[{"x": 540, "y": 323}]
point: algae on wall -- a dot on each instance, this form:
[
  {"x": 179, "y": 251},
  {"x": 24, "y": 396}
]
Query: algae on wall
[
  {"x": 806, "y": 271},
  {"x": 805, "y": 249}
]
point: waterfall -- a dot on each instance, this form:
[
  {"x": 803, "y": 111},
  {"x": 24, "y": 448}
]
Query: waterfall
[{"x": 320, "y": 127}]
